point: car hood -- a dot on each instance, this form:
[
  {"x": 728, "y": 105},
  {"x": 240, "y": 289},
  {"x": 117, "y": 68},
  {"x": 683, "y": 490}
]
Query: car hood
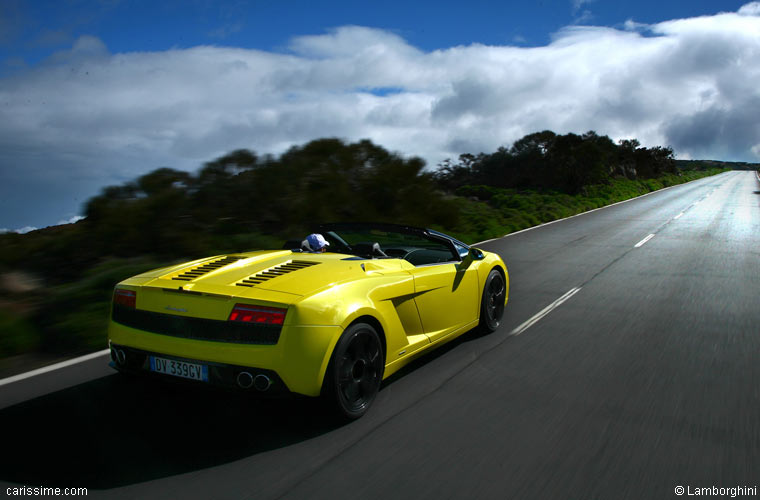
[{"x": 280, "y": 276}]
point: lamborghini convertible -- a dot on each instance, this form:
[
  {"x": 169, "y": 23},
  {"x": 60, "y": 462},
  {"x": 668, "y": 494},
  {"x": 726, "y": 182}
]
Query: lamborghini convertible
[{"x": 332, "y": 324}]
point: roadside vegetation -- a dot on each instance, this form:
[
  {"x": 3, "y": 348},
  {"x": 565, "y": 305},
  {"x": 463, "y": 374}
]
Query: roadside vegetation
[
  {"x": 56, "y": 283},
  {"x": 491, "y": 212}
]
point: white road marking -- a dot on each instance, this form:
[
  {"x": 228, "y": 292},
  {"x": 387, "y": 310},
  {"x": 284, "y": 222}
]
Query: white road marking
[
  {"x": 678, "y": 216},
  {"x": 543, "y": 312},
  {"x": 56, "y": 366},
  {"x": 640, "y": 243},
  {"x": 493, "y": 239}
]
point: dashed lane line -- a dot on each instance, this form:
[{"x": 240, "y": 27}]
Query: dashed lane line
[
  {"x": 543, "y": 312},
  {"x": 641, "y": 243}
]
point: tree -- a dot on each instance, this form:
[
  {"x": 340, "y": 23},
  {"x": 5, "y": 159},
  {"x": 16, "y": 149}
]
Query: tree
[{"x": 162, "y": 179}]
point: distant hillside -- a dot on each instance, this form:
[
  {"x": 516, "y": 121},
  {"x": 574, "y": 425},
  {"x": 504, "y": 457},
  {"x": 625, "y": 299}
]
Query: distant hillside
[{"x": 707, "y": 164}]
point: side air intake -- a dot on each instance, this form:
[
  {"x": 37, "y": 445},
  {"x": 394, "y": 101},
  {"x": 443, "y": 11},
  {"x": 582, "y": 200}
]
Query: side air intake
[{"x": 273, "y": 272}]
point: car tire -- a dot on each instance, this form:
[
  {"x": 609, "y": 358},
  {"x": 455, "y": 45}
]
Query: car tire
[
  {"x": 355, "y": 372},
  {"x": 492, "y": 304}
]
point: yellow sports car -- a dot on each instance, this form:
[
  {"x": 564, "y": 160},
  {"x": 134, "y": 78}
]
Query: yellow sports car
[{"x": 330, "y": 316}]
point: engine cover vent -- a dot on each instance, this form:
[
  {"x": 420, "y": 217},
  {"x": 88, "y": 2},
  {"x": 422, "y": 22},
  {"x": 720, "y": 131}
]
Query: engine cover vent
[
  {"x": 197, "y": 272},
  {"x": 273, "y": 272}
]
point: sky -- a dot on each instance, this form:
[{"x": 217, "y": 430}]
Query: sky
[{"x": 98, "y": 92}]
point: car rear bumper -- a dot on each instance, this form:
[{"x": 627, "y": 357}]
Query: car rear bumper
[
  {"x": 242, "y": 378},
  {"x": 296, "y": 363}
]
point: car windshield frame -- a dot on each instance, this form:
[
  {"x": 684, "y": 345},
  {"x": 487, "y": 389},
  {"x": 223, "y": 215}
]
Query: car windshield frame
[{"x": 345, "y": 236}]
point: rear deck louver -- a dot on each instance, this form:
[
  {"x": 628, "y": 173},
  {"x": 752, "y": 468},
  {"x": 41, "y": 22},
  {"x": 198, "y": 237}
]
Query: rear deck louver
[
  {"x": 206, "y": 268},
  {"x": 273, "y": 272}
]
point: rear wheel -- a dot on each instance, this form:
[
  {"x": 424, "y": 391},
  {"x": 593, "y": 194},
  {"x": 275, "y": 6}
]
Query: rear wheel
[
  {"x": 492, "y": 304},
  {"x": 355, "y": 371}
]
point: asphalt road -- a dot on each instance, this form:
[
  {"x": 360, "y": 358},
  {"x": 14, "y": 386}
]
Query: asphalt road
[{"x": 645, "y": 377}]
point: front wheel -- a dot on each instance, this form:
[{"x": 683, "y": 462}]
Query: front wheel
[
  {"x": 355, "y": 371},
  {"x": 492, "y": 304}
]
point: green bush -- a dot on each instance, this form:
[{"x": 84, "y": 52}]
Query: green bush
[
  {"x": 81, "y": 329},
  {"x": 74, "y": 317},
  {"x": 17, "y": 335}
]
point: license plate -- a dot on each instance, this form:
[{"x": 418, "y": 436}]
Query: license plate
[{"x": 194, "y": 371}]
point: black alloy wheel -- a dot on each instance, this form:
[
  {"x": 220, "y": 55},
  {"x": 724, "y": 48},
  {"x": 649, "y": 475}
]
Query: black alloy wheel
[
  {"x": 355, "y": 371},
  {"x": 492, "y": 305}
]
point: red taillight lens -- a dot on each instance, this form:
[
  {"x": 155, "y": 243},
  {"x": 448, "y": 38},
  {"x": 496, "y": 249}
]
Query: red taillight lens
[
  {"x": 126, "y": 298},
  {"x": 261, "y": 315}
]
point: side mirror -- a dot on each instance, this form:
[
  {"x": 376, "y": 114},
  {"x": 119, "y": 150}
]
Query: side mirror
[{"x": 476, "y": 254}]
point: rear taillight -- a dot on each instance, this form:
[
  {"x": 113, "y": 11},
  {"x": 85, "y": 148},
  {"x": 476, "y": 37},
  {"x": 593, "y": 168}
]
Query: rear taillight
[
  {"x": 261, "y": 315},
  {"x": 126, "y": 298}
]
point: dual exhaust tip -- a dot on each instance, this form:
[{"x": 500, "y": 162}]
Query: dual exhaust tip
[
  {"x": 245, "y": 380},
  {"x": 260, "y": 382},
  {"x": 119, "y": 356}
]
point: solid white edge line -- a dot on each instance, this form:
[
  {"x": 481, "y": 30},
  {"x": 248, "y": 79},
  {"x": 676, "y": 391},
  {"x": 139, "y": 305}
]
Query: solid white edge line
[
  {"x": 678, "y": 216},
  {"x": 589, "y": 211},
  {"x": 488, "y": 241},
  {"x": 640, "y": 243},
  {"x": 56, "y": 366},
  {"x": 543, "y": 312}
]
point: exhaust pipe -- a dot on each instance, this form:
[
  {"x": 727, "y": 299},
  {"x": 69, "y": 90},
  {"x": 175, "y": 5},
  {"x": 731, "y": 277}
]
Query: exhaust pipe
[
  {"x": 119, "y": 356},
  {"x": 244, "y": 380},
  {"x": 262, "y": 382}
]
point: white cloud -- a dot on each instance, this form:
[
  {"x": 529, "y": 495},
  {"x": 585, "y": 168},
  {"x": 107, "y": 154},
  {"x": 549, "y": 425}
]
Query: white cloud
[
  {"x": 750, "y": 9},
  {"x": 71, "y": 220},
  {"x": 580, "y": 14},
  {"x": 631, "y": 25},
  {"x": 578, "y": 4},
  {"x": 22, "y": 230},
  {"x": 27, "y": 229},
  {"x": 86, "y": 117}
]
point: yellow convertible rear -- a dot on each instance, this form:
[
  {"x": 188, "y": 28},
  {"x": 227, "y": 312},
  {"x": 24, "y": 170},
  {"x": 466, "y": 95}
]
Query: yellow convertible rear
[{"x": 330, "y": 323}]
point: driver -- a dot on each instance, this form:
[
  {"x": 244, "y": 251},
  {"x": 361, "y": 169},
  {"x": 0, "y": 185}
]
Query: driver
[{"x": 317, "y": 243}]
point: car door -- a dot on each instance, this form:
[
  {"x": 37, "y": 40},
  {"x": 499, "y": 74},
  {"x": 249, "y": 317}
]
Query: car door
[{"x": 446, "y": 294}]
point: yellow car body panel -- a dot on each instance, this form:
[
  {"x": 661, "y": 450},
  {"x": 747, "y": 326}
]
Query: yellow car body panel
[{"x": 413, "y": 307}]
